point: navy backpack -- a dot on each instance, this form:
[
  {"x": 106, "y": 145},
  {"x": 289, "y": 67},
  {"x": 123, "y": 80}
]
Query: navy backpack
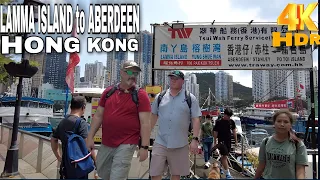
[{"x": 77, "y": 160}]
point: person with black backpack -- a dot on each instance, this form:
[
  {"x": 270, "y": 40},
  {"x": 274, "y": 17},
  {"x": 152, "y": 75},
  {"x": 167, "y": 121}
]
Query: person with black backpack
[
  {"x": 176, "y": 111},
  {"x": 282, "y": 155},
  {"x": 76, "y": 160},
  {"x": 124, "y": 113}
]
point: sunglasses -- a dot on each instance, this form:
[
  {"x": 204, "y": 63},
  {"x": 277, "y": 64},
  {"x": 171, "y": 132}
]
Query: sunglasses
[{"x": 130, "y": 73}]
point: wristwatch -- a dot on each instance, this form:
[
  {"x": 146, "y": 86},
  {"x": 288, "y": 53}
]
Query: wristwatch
[
  {"x": 144, "y": 147},
  {"x": 195, "y": 138}
]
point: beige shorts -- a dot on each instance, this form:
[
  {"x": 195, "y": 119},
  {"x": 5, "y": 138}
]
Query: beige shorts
[
  {"x": 115, "y": 163},
  {"x": 177, "y": 160}
]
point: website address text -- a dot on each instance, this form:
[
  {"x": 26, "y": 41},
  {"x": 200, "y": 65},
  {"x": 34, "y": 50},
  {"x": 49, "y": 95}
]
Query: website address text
[{"x": 249, "y": 65}]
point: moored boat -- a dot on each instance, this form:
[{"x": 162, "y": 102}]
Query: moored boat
[
  {"x": 253, "y": 116},
  {"x": 34, "y": 113}
]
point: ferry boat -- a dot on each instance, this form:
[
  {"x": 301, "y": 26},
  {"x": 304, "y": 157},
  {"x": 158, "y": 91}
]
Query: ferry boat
[
  {"x": 237, "y": 121},
  {"x": 34, "y": 114},
  {"x": 253, "y": 116}
]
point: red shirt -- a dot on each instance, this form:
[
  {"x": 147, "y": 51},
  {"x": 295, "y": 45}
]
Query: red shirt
[{"x": 121, "y": 124}]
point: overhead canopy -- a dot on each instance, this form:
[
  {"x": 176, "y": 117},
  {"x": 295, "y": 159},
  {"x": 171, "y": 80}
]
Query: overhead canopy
[{"x": 88, "y": 91}]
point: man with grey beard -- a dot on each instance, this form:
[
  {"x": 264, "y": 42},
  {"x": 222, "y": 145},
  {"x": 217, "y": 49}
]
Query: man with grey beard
[{"x": 125, "y": 118}]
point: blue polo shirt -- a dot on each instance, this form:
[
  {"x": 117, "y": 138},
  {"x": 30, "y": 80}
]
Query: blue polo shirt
[{"x": 174, "y": 118}]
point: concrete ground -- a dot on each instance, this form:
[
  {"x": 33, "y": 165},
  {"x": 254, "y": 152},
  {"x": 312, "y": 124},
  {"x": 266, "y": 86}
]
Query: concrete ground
[{"x": 28, "y": 162}]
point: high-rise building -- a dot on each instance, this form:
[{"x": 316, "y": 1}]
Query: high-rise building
[
  {"x": 315, "y": 76},
  {"x": 94, "y": 73},
  {"x": 43, "y": 88},
  {"x": 77, "y": 76},
  {"x": 190, "y": 84},
  {"x": 56, "y": 66},
  {"x": 26, "y": 87},
  {"x": 260, "y": 85},
  {"x": 223, "y": 87},
  {"x": 144, "y": 57},
  {"x": 161, "y": 78},
  {"x": 276, "y": 78},
  {"x": 268, "y": 84},
  {"x": 37, "y": 79},
  {"x": 114, "y": 61}
]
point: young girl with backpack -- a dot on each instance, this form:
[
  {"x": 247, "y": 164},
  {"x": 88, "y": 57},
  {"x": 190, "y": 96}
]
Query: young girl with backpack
[{"x": 282, "y": 155}]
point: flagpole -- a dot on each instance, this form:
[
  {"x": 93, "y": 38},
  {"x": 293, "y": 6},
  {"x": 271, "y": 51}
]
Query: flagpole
[
  {"x": 74, "y": 59},
  {"x": 66, "y": 104}
]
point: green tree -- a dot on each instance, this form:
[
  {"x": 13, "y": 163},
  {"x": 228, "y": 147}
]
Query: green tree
[
  {"x": 5, "y": 1},
  {"x": 4, "y": 76},
  {"x": 34, "y": 63}
]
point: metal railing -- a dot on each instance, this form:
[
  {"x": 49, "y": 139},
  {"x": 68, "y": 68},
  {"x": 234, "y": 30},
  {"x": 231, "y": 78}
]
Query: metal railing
[{"x": 41, "y": 141}]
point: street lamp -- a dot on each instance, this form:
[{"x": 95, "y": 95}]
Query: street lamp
[{"x": 22, "y": 70}]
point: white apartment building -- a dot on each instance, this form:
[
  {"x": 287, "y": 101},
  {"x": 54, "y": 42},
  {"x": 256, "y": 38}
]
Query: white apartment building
[
  {"x": 223, "y": 87},
  {"x": 260, "y": 85},
  {"x": 94, "y": 73},
  {"x": 114, "y": 62},
  {"x": 267, "y": 84},
  {"x": 43, "y": 88},
  {"x": 37, "y": 79},
  {"x": 315, "y": 76},
  {"x": 77, "y": 76},
  {"x": 190, "y": 84},
  {"x": 26, "y": 87},
  {"x": 144, "y": 57},
  {"x": 161, "y": 78}
]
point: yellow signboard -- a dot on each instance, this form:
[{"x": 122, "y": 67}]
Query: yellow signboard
[
  {"x": 94, "y": 105},
  {"x": 153, "y": 89},
  {"x": 151, "y": 99}
]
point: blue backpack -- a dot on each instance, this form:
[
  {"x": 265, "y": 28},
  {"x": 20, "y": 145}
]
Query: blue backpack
[{"x": 77, "y": 158}]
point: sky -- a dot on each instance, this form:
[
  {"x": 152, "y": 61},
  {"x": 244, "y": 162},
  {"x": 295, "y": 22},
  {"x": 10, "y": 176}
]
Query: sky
[{"x": 194, "y": 11}]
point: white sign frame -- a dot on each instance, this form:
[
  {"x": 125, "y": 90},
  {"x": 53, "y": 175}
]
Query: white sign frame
[{"x": 214, "y": 54}]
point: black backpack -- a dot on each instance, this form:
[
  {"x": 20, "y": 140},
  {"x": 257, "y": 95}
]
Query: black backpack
[
  {"x": 134, "y": 93},
  {"x": 188, "y": 100}
]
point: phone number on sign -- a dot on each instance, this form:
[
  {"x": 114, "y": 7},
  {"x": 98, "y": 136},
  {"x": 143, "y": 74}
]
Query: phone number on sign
[
  {"x": 291, "y": 59},
  {"x": 190, "y": 62}
]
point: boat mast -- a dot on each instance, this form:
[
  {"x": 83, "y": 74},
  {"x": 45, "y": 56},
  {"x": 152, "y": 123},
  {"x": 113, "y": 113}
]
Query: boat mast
[{"x": 208, "y": 100}]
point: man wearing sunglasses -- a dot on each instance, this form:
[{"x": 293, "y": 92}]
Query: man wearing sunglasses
[
  {"x": 124, "y": 123},
  {"x": 171, "y": 145}
]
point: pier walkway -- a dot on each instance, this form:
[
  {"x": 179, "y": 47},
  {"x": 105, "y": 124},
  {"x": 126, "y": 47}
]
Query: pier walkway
[{"x": 36, "y": 160}]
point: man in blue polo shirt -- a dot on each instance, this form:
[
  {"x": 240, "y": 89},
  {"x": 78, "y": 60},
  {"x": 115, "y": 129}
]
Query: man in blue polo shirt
[{"x": 171, "y": 145}]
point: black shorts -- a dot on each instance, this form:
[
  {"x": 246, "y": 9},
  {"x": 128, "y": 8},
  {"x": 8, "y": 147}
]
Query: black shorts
[{"x": 224, "y": 148}]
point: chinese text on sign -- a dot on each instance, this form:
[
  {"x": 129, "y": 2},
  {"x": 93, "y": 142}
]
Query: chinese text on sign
[{"x": 226, "y": 47}]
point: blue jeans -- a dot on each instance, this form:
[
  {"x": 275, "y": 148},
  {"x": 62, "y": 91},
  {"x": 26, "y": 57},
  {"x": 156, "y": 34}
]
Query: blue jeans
[{"x": 207, "y": 144}]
